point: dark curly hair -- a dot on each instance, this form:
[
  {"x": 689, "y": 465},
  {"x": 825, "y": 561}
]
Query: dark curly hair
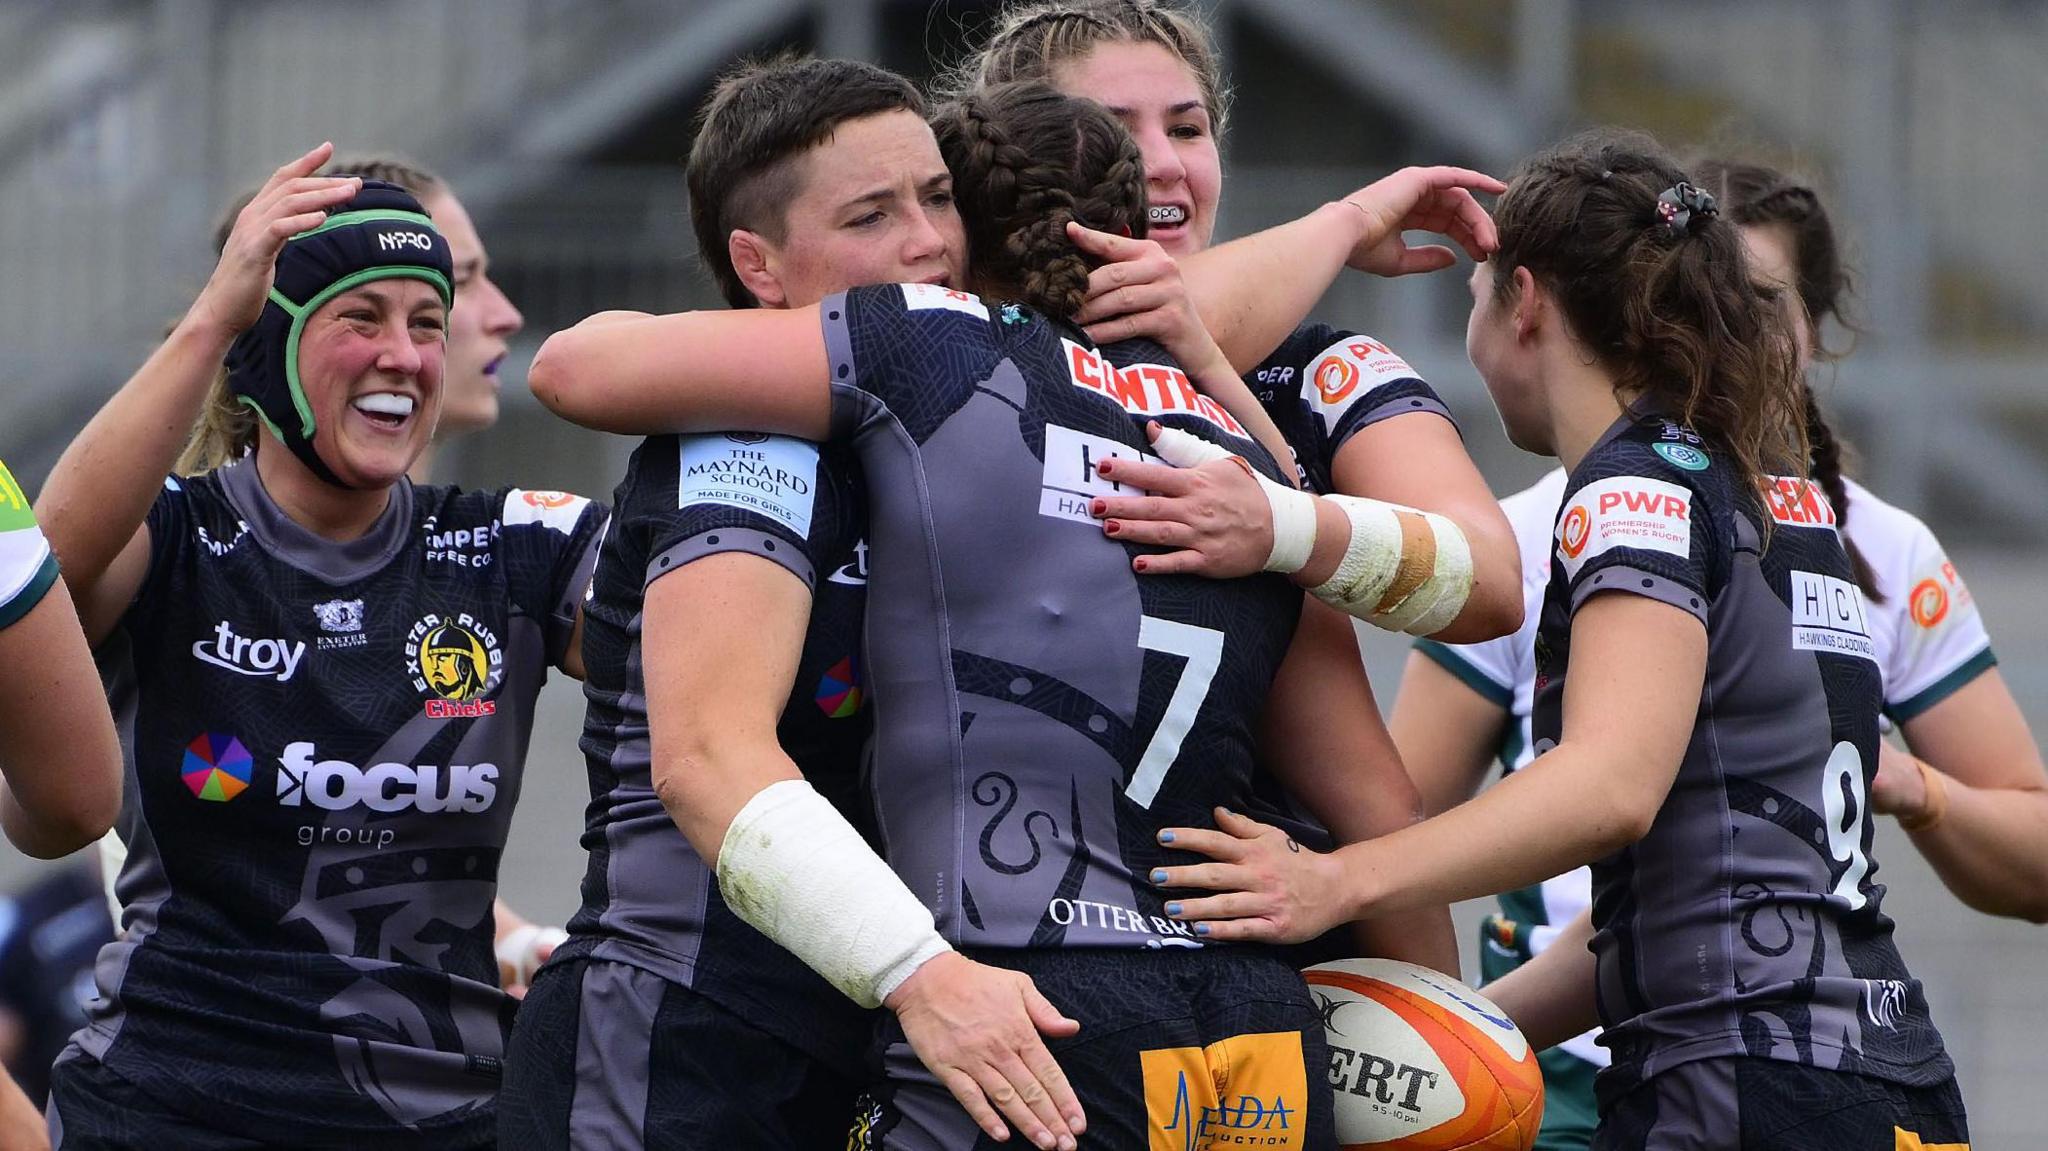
[
  {"x": 1026, "y": 159},
  {"x": 1669, "y": 311},
  {"x": 1756, "y": 195}
]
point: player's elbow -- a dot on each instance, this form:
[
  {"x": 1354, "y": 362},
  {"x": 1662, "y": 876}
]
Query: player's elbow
[
  {"x": 557, "y": 377},
  {"x": 1625, "y": 816},
  {"x": 62, "y": 828}
]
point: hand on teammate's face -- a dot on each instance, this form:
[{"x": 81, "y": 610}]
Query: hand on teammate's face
[
  {"x": 1439, "y": 200},
  {"x": 1270, "y": 888},
  {"x": 293, "y": 200},
  {"x": 977, "y": 1028}
]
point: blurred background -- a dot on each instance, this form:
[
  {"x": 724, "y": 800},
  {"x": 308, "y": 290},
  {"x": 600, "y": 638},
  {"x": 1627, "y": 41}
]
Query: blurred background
[{"x": 126, "y": 126}]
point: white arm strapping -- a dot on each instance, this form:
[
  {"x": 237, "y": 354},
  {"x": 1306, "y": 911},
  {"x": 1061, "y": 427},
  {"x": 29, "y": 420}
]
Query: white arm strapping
[
  {"x": 1373, "y": 562},
  {"x": 1294, "y": 512},
  {"x": 794, "y": 869}
]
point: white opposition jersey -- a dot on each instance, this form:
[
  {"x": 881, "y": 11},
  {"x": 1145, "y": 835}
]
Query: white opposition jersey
[
  {"x": 1929, "y": 637},
  {"x": 26, "y": 567}
]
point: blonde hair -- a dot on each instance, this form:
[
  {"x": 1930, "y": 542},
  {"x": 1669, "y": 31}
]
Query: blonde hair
[{"x": 1033, "y": 38}]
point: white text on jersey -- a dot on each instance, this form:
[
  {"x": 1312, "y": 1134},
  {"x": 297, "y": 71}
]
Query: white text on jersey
[
  {"x": 269, "y": 658},
  {"x": 336, "y": 785},
  {"x": 1146, "y": 389}
]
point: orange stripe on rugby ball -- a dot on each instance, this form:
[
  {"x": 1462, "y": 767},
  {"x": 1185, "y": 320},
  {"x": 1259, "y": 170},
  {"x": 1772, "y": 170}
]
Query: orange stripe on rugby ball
[{"x": 1503, "y": 1096}]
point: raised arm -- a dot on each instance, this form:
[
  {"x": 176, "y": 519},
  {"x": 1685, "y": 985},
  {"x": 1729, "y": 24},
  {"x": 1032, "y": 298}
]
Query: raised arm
[
  {"x": 1253, "y": 291},
  {"x": 1323, "y": 738},
  {"x": 96, "y": 500},
  {"x": 721, "y": 640},
  {"x": 689, "y": 372}
]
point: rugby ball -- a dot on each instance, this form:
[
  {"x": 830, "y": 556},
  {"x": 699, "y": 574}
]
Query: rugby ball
[{"x": 1421, "y": 1062}]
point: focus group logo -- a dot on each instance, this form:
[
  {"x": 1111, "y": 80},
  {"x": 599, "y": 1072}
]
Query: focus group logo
[{"x": 455, "y": 662}]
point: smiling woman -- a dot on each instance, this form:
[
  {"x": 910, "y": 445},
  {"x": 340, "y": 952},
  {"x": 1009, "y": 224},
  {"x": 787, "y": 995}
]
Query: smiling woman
[{"x": 347, "y": 658}]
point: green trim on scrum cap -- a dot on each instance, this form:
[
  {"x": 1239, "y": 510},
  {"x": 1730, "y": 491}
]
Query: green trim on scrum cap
[
  {"x": 250, "y": 403},
  {"x": 345, "y": 219},
  {"x": 352, "y": 280}
]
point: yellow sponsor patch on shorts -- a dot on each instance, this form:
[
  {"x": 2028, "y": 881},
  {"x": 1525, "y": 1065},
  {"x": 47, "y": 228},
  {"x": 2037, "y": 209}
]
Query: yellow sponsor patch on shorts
[
  {"x": 1904, "y": 1140},
  {"x": 1247, "y": 1091}
]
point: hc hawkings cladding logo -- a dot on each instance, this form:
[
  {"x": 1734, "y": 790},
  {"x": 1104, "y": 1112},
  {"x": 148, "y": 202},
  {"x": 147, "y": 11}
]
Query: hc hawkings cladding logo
[{"x": 456, "y": 662}]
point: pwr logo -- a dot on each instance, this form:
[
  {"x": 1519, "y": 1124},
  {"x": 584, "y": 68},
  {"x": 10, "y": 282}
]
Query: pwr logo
[
  {"x": 1145, "y": 389},
  {"x": 305, "y": 780},
  {"x": 1348, "y": 363},
  {"x": 1624, "y": 512}
]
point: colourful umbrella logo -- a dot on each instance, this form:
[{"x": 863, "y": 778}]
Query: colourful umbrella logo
[
  {"x": 839, "y": 691},
  {"x": 216, "y": 767}
]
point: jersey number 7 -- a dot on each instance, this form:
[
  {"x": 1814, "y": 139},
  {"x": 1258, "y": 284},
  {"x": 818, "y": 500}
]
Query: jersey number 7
[{"x": 1203, "y": 649}]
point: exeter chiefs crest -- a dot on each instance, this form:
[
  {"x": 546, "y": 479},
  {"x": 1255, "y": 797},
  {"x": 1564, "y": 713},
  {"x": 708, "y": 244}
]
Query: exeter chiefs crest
[{"x": 456, "y": 663}]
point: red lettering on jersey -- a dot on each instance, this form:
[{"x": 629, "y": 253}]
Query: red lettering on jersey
[
  {"x": 1086, "y": 368},
  {"x": 1797, "y": 502},
  {"x": 1365, "y": 347},
  {"x": 1647, "y": 503}
]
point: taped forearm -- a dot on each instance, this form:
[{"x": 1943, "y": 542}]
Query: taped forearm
[{"x": 793, "y": 868}]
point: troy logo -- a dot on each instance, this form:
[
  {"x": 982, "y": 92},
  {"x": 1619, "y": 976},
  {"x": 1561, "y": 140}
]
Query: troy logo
[
  {"x": 264, "y": 658},
  {"x": 1146, "y": 389}
]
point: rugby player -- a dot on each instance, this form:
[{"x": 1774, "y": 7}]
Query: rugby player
[
  {"x": 60, "y": 761},
  {"x": 480, "y": 322},
  {"x": 1041, "y": 701},
  {"x": 840, "y": 226},
  {"x": 1460, "y": 704},
  {"x": 1705, "y": 733},
  {"x": 666, "y": 1019},
  {"x": 1358, "y": 418},
  {"x": 314, "y": 819}
]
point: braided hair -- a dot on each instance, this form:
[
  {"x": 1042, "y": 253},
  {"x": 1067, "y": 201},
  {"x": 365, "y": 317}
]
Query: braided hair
[
  {"x": 1025, "y": 160},
  {"x": 1755, "y": 195}
]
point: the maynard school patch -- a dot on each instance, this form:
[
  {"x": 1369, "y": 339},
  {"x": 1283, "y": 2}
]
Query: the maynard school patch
[{"x": 776, "y": 476}]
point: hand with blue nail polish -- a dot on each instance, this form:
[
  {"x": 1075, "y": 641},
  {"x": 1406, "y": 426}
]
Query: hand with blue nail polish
[{"x": 1268, "y": 888}]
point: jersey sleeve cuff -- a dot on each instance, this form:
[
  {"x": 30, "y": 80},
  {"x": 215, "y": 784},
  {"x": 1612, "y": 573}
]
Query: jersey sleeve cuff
[
  {"x": 31, "y": 593},
  {"x": 718, "y": 541},
  {"x": 1636, "y": 581},
  {"x": 1446, "y": 657},
  {"x": 1920, "y": 702}
]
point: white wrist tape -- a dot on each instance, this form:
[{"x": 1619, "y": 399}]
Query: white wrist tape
[
  {"x": 1404, "y": 570},
  {"x": 793, "y": 868},
  {"x": 524, "y": 949},
  {"x": 1294, "y": 512}
]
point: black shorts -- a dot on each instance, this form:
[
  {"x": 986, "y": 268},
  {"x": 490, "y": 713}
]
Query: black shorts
[
  {"x": 1770, "y": 1105},
  {"x": 1220, "y": 1047},
  {"x": 608, "y": 1055},
  {"x": 93, "y": 1109}
]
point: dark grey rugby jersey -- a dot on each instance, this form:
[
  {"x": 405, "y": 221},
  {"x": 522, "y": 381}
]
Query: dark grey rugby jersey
[
  {"x": 1040, "y": 710},
  {"x": 325, "y": 744},
  {"x": 648, "y": 898},
  {"x": 1323, "y": 385},
  {"x": 1746, "y": 922}
]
